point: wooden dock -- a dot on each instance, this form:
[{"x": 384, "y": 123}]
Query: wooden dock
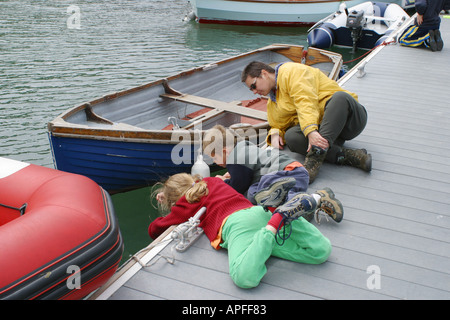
[{"x": 394, "y": 241}]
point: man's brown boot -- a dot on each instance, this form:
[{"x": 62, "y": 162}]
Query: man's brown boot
[
  {"x": 313, "y": 162},
  {"x": 358, "y": 158}
]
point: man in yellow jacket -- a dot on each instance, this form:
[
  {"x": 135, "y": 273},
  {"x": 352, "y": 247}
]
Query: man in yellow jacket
[{"x": 310, "y": 113}]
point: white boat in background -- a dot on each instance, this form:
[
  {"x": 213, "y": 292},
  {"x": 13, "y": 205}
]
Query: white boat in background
[
  {"x": 405, "y": 4},
  {"x": 270, "y": 12},
  {"x": 365, "y": 26}
]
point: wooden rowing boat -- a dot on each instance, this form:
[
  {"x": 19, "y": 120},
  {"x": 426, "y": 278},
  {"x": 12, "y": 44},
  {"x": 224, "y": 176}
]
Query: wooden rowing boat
[{"x": 132, "y": 138}]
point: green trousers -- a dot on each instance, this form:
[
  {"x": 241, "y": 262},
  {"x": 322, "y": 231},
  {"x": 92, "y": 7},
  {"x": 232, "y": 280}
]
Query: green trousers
[{"x": 250, "y": 244}]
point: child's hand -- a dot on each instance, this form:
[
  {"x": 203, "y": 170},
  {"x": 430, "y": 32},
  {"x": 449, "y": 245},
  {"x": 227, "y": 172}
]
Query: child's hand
[
  {"x": 419, "y": 19},
  {"x": 160, "y": 197},
  {"x": 224, "y": 177}
]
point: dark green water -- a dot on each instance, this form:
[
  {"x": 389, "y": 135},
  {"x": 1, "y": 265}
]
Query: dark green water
[
  {"x": 135, "y": 213},
  {"x": 47, "y": 66}
]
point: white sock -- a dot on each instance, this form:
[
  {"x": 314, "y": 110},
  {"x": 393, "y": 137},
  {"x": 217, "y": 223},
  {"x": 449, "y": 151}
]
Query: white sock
[{"x": 316, "y": 197}]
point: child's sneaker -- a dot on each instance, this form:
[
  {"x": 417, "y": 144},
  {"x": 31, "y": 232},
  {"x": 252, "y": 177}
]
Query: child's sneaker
[
  {"x": 300, "y": 205},
  {"x": 275, "y": 194},
  {"x": 329, "y": 205}
]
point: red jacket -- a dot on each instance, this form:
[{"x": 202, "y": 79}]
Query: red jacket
[{"x": 221, "y": 201}]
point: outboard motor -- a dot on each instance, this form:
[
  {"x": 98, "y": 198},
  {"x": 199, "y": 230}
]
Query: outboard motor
[{"x": 355, "y": 21}]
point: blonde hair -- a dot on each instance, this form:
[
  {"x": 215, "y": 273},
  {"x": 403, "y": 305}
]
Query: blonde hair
[
  {"x": 178, "y": 185},
  {"x": 218, "y": 138}
]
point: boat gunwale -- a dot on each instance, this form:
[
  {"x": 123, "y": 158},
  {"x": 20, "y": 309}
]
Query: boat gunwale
[{"x": 144, "y": 136}]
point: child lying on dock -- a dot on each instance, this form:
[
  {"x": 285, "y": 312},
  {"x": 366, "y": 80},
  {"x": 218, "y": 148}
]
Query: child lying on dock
[
  {"x": 252, "y": 169},
  {"x": 248, "y": 232}
]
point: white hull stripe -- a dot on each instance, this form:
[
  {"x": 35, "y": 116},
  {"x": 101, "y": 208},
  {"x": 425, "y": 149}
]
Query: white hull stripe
[{"x": 9, "y": 167}]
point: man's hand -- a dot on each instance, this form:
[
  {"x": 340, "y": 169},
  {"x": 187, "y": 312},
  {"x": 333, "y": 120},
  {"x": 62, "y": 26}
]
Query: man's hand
[
  {"x": 315, "y": 139},
  {"x": 276, "y": 141}
]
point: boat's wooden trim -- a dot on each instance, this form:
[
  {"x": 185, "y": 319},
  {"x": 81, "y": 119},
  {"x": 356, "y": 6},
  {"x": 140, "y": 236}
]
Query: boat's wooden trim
[
  {"x": 293, "y": 52},
  {"x": 142, "y": 136},
  {"x": 92, "y": 116},
  {"x": 203, "y": 117},
  {"x": 145, "y": 136},
  {"x": 312, "y": 56},
  {"x": 217, "y": 104}
]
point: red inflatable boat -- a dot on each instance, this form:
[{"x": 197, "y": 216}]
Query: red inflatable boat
[{"x": 59, "y": 237}]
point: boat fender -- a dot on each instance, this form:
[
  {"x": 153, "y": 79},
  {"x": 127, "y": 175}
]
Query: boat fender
[
  {"x": 379, "y": 8},
  {"x": 190, "y": 16},
  {"x": 200, "y": 167},
  {"x": 383, "y": 38},
  {"x": 321, "y": 37},
  {"x": 361, "y": 70}
]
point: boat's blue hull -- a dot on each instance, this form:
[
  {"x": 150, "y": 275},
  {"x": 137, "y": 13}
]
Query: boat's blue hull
[{"x": 116, "y": 165}]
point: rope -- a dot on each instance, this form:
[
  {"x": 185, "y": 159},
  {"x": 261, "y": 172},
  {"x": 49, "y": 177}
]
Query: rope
[
  {"x": 384, "y": 43},
  {"x": 171, "y": 260}
]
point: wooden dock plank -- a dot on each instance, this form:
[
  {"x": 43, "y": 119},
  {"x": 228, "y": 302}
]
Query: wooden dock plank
[
  {"x": 127, "y": 293},
  {"x": 198, "y": 273},
  {"x": 167, "y": 287}
]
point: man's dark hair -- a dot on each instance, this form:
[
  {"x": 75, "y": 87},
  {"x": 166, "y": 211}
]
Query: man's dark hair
[{"x": 253, "y": 69}]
